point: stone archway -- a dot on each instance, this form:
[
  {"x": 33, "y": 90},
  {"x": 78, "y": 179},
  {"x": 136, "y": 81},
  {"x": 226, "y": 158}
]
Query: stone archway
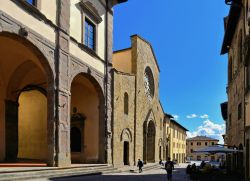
[
  {"x": 24, "y": 67},
  {"x": 151, "y": 142},
  {"x": 126, "y": 139},
  {"x": 87, "y": 114},
  {"x": 149, "y": 133}
]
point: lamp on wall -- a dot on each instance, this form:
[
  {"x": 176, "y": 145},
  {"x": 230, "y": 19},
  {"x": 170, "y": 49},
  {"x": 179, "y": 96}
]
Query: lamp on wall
[
  {"x": 230, "y": 2},
  {"x": 23, "y": 32}
]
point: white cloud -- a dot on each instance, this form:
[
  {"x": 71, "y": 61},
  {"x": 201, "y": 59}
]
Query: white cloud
[
  {"x": 204, "y": 116},
  {"x": 176, "y": 117},
  {"x": 209, "y": 129},
  {"x": 191, "y": 116}
]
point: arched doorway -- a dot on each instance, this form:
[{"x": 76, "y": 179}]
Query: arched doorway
[
  {"x": 160, "y": 148},
  {"x": 75, "y": 140},
  {"x": 167, "y": 152},
  {"x": 87, "y": 116},
  {"x": 160, "y": 158},
  {"x": 149, "y": 142},
  {"x": 126, "y": 138},
  {"x": 25, "y": 78},
  {"x": 126, "y": 153}
]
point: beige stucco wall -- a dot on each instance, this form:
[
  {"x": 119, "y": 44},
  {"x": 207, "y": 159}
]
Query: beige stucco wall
[
  {"x": 122, "y": 61},
  {"x": 32, "y": 126},
  {"x": 28, "y": 20},
  {"x": 121, "y": 121},
  {"x": 86, "y": 100},
  {"x": 48, "y": 8},
  {"x": 86, "y": 58},
  {"x": 76, "y": 24},
  {"x": 194, "y": 147},
  {"x": 166, "y": 137},
  {"x": 177, "y": 142}
]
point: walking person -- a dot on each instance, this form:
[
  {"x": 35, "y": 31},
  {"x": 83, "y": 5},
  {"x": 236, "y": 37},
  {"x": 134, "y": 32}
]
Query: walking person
[
  {"x": 169, "y": 166},
  {"x": 140, "y": 165}
]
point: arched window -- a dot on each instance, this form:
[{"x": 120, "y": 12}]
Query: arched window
[
  {"x": 149, "y": 83},
  {"x": 126, "y": 103}
]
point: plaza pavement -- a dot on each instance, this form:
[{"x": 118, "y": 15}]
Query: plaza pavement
[{"x": 158, "y": 174}]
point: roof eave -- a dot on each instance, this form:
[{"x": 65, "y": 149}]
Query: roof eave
[
  {"x": 115, "y": 2},
  {"x": 233, "y": 19},
  {"x": 178, "y": 124}
]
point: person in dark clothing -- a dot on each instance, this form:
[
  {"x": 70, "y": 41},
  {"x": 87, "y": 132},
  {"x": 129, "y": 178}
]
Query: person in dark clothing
[
  {"x": 140, "y": 165},
  {"x": 169, "y": 166},
  {"x": 202, "y": 165},
  {"x": 188, "y": 170}
]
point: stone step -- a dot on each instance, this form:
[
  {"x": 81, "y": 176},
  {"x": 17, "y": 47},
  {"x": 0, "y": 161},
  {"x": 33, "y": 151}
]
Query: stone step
[{"x": 54, "y": 173}]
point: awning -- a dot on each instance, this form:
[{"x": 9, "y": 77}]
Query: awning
[{"x": 216, "y": 149}]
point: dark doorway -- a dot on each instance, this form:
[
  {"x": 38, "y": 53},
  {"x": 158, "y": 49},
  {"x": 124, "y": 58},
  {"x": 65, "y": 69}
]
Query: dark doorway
[
  {"x": 151, "y": 142},
  {"x": 11, "y": 114},
  {"x": 247, "y": 159},
  {"x": 160, "y": 153},
  {"x": 167, "y": 153},
  {"x": 75, "y": 140},
  {"x": 145, "y": 142},
  {"x": 126, "y": 153}
]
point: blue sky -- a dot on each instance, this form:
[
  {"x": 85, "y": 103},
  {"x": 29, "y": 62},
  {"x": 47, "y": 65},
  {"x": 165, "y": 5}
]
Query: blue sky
[{"x": 186, "y": 37}]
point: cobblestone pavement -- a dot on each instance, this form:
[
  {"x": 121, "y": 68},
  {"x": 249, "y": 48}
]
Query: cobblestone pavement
[{"x": 151, "y": 175}]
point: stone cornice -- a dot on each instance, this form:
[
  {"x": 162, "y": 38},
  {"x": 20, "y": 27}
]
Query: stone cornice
[{"x": 90, "y": 10}]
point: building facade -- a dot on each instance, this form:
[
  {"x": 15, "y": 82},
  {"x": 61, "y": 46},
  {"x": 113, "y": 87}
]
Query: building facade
[
  {"x": 200, "y": 142},
  {"x": 236, "y": 111},
  {"x": 174, "y": 140},
  {"x": 137, "y": 114},
  {"x": 55, "y": 81}
]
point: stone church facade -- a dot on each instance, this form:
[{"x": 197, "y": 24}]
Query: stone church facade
[
  {"x": 137, "y": 112},
  {"x": 55, "y": 81}
]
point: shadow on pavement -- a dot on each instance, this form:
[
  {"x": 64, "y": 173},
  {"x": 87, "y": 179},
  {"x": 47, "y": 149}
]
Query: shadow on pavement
[
  {"x": 135, "y": 177},
  {"x": 178, "y": 175}
]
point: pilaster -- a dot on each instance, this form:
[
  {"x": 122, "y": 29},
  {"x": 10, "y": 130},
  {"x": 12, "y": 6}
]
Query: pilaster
[
  {"x": 108, "y": 82},
  {"x": 63, "y": 87}
]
